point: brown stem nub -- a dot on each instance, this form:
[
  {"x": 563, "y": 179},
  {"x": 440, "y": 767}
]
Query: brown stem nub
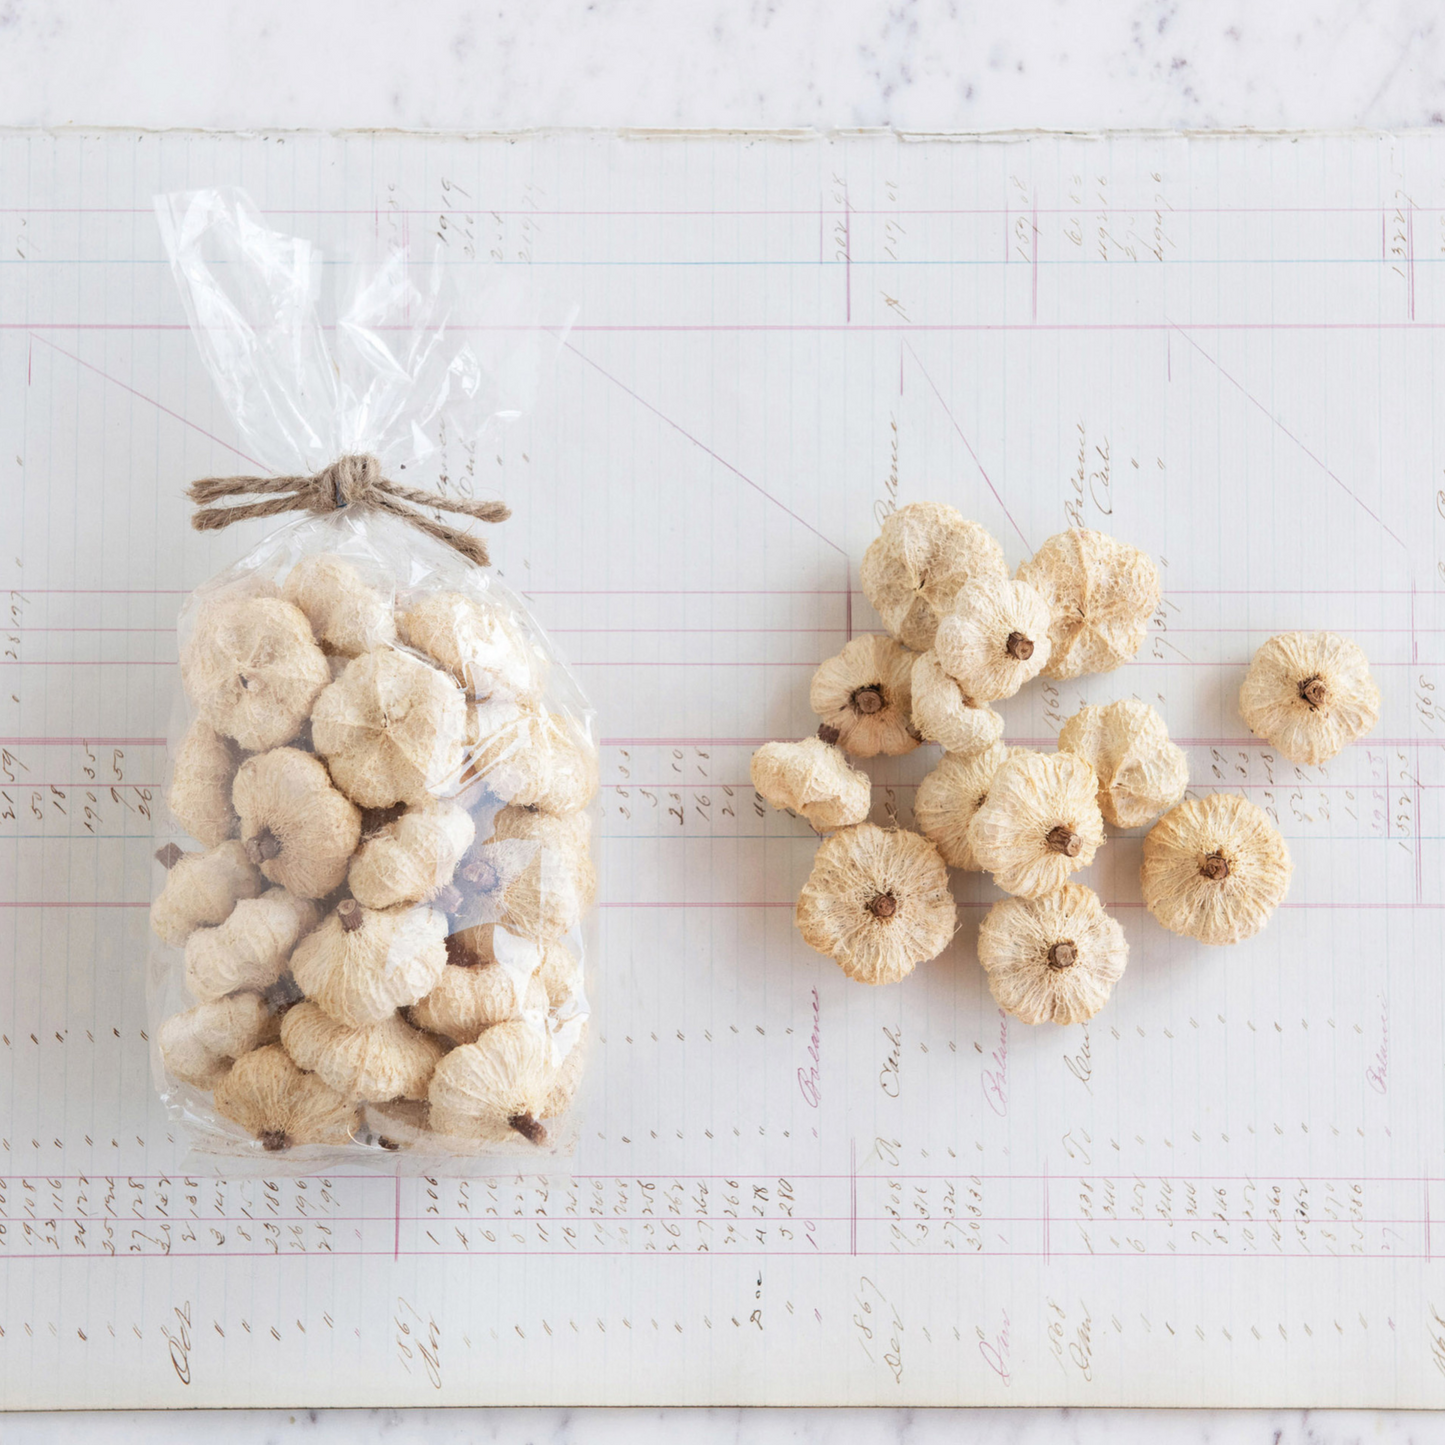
[
  {"x": 283, "y": 994},
  {"x": 1019, "y": 646},
  {"x": 460, "y": 954},
  {"x": 373, "y": 820},
  {"x": 447, "y": 898},
  {"x": 1064, "y": 840},
  {"x": 169, "y": 856},
  {"x": 263, "y": 847},
  {"x": 1215, "y": 868},
  {"x": 390, "y": 1145},
  {"x": 1063, "y": 955},
  {"x": 829, "y": 735},
  {"x": 884, "y": 906},
  {"x": 1314, "y": 691},
  {"x": 528, "y": 1128},
  {"x": 349, "y": 912},
  {"x": 869, "y": 700},
  {"x": 273, "y": 1140}
]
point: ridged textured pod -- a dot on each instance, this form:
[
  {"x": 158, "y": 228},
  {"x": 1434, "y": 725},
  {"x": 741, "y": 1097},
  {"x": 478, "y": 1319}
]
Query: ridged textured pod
[
  {"x": 200, "y": 792},
  {"x": 413, "y": 856},
  {"x": 347, "y": 615},
  {"x": 471, "y": 997},
  {"x": 250, "y": 949},
  {"x": 943, "y": 712},
  {"x": 533, "y": 874},
  {"x": 994, "y": 640},
  {"x": 1141, "y": 772},
  {"x": 199, "y": 1045},
  {"x": 534, "y": 760},
  {"x": 813, "y": 779},
  {"x": 281, "y": 1106},
  {"x": 202, "y": 889},
  {"x": 495, "y": 1088},
  {"x": 862, "y": 696},
  {"x": 380, "y": 1061},
  {"x": 948, "y": 798},
  {"x": 475, "y": 643}
]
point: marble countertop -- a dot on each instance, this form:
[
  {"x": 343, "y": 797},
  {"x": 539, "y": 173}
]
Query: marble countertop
[{"x": 915, "y": 65}]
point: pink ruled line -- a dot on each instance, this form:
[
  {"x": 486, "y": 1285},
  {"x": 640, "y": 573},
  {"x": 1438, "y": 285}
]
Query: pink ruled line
[
  {"x": 602, "y": 1251},
  {"x": 764, "y": 903}
]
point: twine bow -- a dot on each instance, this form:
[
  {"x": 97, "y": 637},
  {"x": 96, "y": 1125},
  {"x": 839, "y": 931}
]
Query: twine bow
[{"x": 352, "y": 481}]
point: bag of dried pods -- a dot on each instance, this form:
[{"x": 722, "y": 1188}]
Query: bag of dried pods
[{"x": 370, "y": 908}]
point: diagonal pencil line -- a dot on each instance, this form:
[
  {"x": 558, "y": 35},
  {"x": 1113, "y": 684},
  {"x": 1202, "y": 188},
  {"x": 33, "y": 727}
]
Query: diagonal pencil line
[
  {"x": 969, "y": 445},
  {"x": 1318, "y": 461}
]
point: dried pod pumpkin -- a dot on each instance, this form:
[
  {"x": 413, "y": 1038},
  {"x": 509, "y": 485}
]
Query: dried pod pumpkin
[
  {"x": 876, "y": 903},
  {"x": 250, "y": 949},
  {"x": 297, "y": 828},
  {"x": 533, "y": 875},
  {"x": 1040, "y": 822},
  {"x": 1101, "y": 594},
  {"x": 1215, "y": 868},
  {"x": 380, "y": 1061},
  {"x": 252, "y": 670},
  {"x": 560, "y": 974},
  {"x": 924, "y": 557},
  {"x": 201, "y": 889},
  {"x": 280, "y": 1105},
  {"x": 994, "y": 640},
  {"x": 347, "y": 616},
  {"x": 495, "y": 1088},
  {"x": 199, "y": 1045},
  {"x": 813, "y": 779},
  {"x": 1141, "y": 772},
  {"x": 944, "y": 713},
  {"x": 535, "y": 760},
  {"x": 391, "y": 729},
  {"x": 1052, "y": 959},
  {"x": 479, "y": 988},
  {"x": 200, "y": 791},
  {"x": 475, "y": 643},
  {"x": 568, "y": 1073},
  {"x": 362, "y": 964},
  {"x": 1309, "y": 694},
  {"x": 948, "y": 798},
  {"x": 409, "y": 859},
  {"x": 862, "y": 696}
]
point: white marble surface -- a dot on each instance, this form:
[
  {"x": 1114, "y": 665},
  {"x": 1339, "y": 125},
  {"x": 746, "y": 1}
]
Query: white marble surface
[{"x": 922, "y": 65}]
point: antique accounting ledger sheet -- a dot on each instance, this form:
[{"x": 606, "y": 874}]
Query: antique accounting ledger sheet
[{"x": 1229, "y": 1188}]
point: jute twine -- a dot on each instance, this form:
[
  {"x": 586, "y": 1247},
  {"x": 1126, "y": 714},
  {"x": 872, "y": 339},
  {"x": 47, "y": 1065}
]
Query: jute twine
[{"x": 351, "y": 481}]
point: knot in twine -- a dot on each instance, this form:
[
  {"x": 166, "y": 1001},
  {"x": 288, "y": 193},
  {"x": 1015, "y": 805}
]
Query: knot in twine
[{"x": 351, "y": 481}]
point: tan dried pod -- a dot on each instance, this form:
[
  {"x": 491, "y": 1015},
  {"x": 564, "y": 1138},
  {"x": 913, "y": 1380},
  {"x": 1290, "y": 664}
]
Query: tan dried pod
[
  {"x": 201, "y": 889},
  {"x": 199, "y": 1045},
  {"x": 380, "y": 1061},
  {"x": 877, "y": 903},
  {"x": 280, "y": 1105},
  {"x": 535, "y": 761},
  {"x": 477, "y": 644},
  {"x": 200, "y": 791},
  {"x": 537, "y": 870},
  {"x": 567, "y": 1075},
  {"x": 1308, "y": 694},
  {"x": 560, "y": 974},
  {"x": 1215, "y": 868},
  {"x": 496, "y": 1087},
  {"x": 252, "y": 670},
  {"x": 926, "y": 554},
  {"x": 391, "y": 729},
  {"x": 297, "y": 828},
  {"x": 250, "y": 949},
  {"x": 813, "y": 779},
  {"x": 943, "y": 713},
  {"x": 862, "y": 696},
  {"x": 476, "y": 991},
  {"x": 1052, "y": 959},
  {"x": 1040, "y": 822},
  {"x": 1101, "y": 594},
  {"x": 346, "y": 615},
  {"x": 361, "y": 965},
  {"x": 1141, "y": 772},
  {"x": 948, "y": 798},
  {"x": 994, "y": 640},
  {"x": 411, "y": 858}
]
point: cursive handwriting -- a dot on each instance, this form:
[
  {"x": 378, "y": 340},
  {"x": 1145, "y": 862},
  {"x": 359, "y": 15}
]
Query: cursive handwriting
[
  {"x": 808, "y": 1073},
  {"x": 996, "y": 1351},
  {"x": 180, "y": 1343},
  {"x": 426, "y": 1338},
  {"x": 1081, "y": 1065},
  {"x": 1437, "y": 1339},
  {"x": 889, "y": 1077},
  {"x": 1378, "y": 1072},
  {"x": 875, "y": 1317},
  {"x": 995, "y": 1079}
]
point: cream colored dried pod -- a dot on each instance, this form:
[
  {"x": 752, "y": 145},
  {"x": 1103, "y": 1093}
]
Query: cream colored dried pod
[
  {"x": 948, "y": 798},
  {"x": 297, "y": 828},
  {"x": 380, "y": 1061},
  {"x": 567, "y": 1075},
  {"x": 1141, "y": 772},
  {"x": 943, "y": 713},
  {"x": 476, "y": 643},
  {"x": 280, "y": 1105},
  {"x": 536, "y": 870},
  {"x": 862, "y": 696},
  {"x": 476, "y": 990},
  {"x": 877, "y": 903},
  {"x": 200, "y": 791},
  {"x": 1309, "y": 694},
  {"x": 346, "y": 615},
  {"x": 391, "y": 729},
  {"x": 250, "y": 949},
  {"x": 813, "y": 779},
  {"x": 926, "y": 554},
  {"x": 536, "y": 760},
  {"x": 495, "y": 1088},
  {"x": 199, "y": 1045},
  {"x": 252, "y": 670},
  {"x": 1101, "y": 594},
  {"x": 361, "y": 965},
  {"x": 201, "y": 889},
  {"x": 1040, "y": 822},
  {"x": 994, "y": 640},
  {"x": 560, "y": 974},
  {"x": 1052, "y": 959},
  {"x": 411, "y": 858},
  {"x": 1215, "y": 868}
]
